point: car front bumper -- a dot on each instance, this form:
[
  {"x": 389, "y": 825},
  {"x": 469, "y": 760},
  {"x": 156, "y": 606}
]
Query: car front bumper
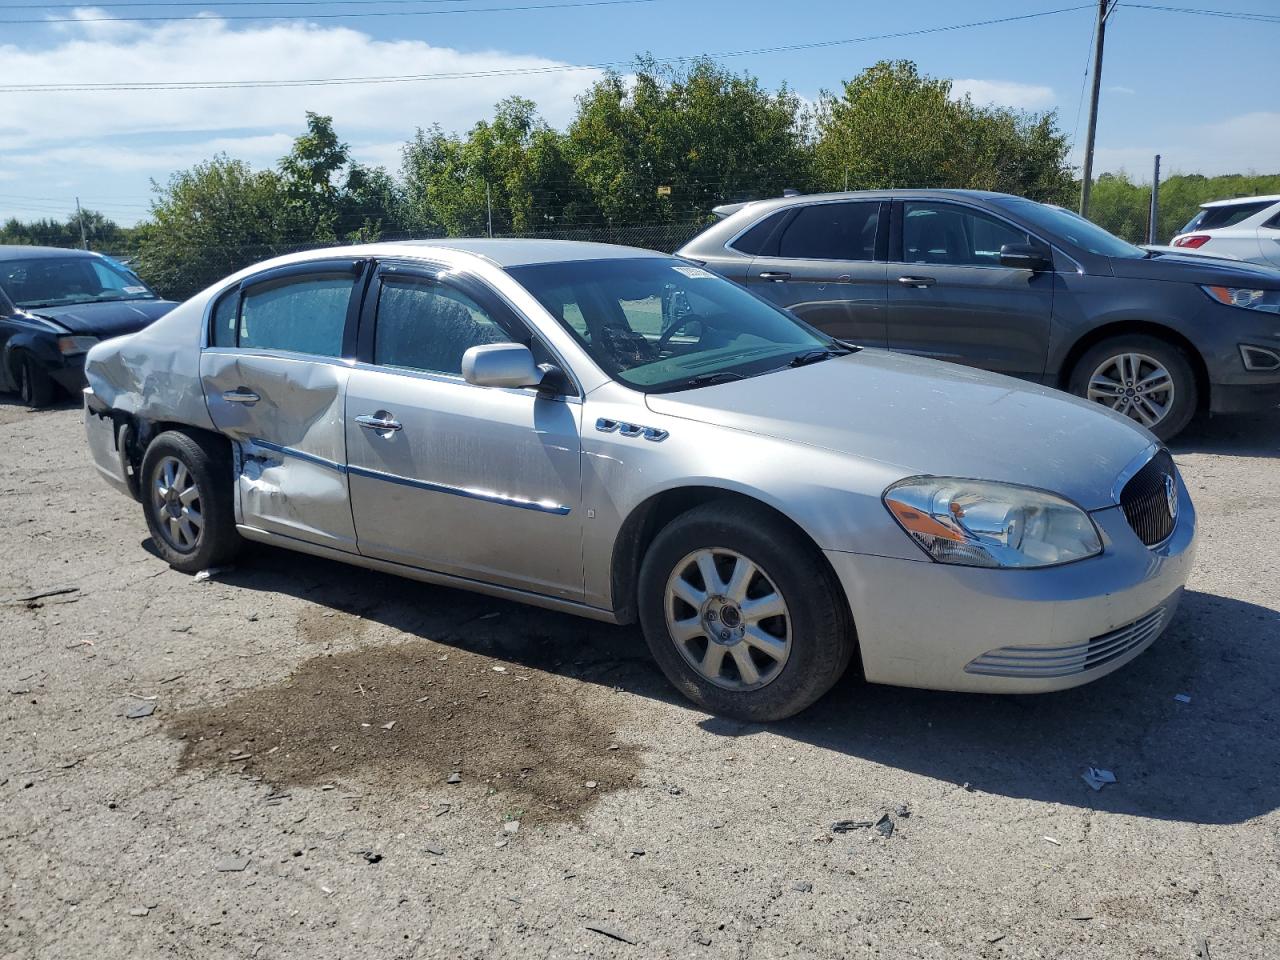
[
  {"x": 68, "y": 373},
  {"x": 945, "y": 627}
]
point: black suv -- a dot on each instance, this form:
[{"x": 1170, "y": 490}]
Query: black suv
[{"x": 1017, "y": 287}]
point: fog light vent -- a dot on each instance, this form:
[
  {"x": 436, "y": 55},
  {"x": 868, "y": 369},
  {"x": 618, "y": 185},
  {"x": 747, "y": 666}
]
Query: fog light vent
[{"x": 1259, "y": 358}]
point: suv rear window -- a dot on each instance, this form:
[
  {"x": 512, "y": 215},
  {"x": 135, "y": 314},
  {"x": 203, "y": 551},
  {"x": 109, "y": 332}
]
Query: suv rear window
[
  {"x": 832, "y": 231},
  {"x": 756, "y": 239},
  {"x": 1228, "y": 215}
]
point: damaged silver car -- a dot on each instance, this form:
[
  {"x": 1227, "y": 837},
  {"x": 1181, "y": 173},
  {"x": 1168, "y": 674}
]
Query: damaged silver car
[{"x": 624, "y": 435}]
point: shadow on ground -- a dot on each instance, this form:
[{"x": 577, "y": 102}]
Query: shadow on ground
[
  {"x": 1213, "y": 760},
  {"x": 1234, "y": 435}
]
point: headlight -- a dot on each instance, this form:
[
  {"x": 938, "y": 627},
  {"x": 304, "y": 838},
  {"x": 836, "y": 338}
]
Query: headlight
[
  {"x": 1265, "y": 300},
  {"x": 70, "y": 346},
  {"x": 977, "y": 523}
]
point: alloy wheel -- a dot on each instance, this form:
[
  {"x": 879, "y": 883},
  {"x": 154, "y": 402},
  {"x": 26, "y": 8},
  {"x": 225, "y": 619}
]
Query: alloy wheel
[
  {"x": 1134, "y": 384},
  {"x": 727, "y": 619},
  {"x": 175, "y": 498}
]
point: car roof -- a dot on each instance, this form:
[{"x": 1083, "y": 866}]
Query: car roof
[
  {"x": 1272, "y": 198},
  {"x": 19, "y": 251},
  {"x": 524, "y": 252},
  {"x": 778, "y": 203}
]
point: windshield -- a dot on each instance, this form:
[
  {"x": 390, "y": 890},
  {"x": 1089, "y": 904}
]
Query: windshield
[
  {"x": 661, "y": 324},
  {"x": 1062, "y": 224},
  {"x": 58, "y": 281}
]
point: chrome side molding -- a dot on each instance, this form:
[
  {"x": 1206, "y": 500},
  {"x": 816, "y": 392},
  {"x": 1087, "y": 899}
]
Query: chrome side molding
[{"x": 605, "y": 425}]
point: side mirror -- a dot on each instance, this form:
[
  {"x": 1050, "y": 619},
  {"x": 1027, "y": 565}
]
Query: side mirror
[
  {"x": 501, "y": 365},
  {"x": 1025, "y": 256}
]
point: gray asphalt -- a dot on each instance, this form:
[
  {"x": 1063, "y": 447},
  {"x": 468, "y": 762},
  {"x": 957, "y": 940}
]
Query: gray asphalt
[{"x": 239, "y": 818}]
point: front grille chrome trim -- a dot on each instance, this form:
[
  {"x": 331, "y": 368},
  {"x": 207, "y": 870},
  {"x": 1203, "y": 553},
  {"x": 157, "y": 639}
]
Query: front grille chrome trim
[{"x": 1066, "y": 661}]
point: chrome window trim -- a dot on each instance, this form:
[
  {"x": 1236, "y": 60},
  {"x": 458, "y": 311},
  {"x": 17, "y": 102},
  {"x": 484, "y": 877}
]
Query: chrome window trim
[
  {"x": 1057, "y": 248},
  {"x": 272, "y": 354},
  {"x": 456, "y": 379},
  {"x": 1131, "y": 469}
]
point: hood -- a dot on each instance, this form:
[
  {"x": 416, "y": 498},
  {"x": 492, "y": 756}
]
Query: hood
[
  {"x": 928, "y": 417},
  {"x": 1197, "y": 268},
  {"x": 110, "y": 318}
]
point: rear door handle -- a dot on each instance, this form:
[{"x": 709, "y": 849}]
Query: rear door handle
[
  {"x": 777, "y": 276},
  {"x": 382, "y": 424},
  {"x": 918, "y": 282},
  {"x": 240, "y": 395}
]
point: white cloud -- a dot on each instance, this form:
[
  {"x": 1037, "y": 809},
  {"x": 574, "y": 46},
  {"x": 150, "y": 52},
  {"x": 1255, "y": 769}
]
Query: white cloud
[
  {"x": 1246, "y": 143},
  {"x": 68, "y": 141},
  {"x": 1126, "y": 91},
  {"x": 1004, "y": 93}
]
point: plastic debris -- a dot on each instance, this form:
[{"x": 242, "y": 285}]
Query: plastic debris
[
  {"x": 209, "y": 573},
  {"x": 1182, "y": 697},
  {"x": 847, "y": 826},
  {"x": 1098, "y": 778},
  {"x": 1056, "y": 843},
  {"x": 370, "y": 857},
  {"x": 884, "y": 826},
  {"x": 802, "y": 886},
  {"x": 511, "y": 826},
  {"x": 141, "y": 710},
  {"x": 611, "y": 934}
]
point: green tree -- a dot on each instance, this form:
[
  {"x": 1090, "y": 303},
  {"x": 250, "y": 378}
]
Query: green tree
[
  {"x": 893, "y": 126},
  {"x": 100, "y": 231},
  {"x": 704, "y": 135}
]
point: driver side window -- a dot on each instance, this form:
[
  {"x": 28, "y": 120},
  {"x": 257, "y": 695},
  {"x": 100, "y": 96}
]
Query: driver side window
[{"x": 953, "y": 235}]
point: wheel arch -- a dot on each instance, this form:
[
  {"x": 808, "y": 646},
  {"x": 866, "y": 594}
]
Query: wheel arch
[
  {"x": 643, "y": 523},
  {"x": 1145, "y": 327},
  {"x": 141, "y": 433}
]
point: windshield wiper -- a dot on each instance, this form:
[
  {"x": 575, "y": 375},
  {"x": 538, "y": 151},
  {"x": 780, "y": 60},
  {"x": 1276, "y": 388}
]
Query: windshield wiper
[
  {"x": 707, "y": 379},
  {"x": 815, "y": 356}
]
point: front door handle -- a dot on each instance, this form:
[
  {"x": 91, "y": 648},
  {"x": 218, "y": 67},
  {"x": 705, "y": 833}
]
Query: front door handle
[
  {"x": 777, "y": 276},
  {"x": 917, "y": 282},
  {"x": 240, "y": 395},
  {"x": 383, "y": 423}
]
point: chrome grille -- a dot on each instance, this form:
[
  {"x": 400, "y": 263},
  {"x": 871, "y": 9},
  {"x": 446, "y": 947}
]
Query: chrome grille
[
  {"x": 1072, "y": 659},
  {"x": 1145, "y": 500}
]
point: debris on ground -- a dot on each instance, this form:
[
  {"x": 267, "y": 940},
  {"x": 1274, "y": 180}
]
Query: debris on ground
[
  {"x": 20, "y": 689},
  {"x": 902, "y": 810},
  {"x": 511, "y": 826},
  {"x": 1182, "y": 697},
  {"x": 434, "y": 851},
  {"x": 139, "y": 912},
  {"x": 848, "y": 826},
  {"x": 1097, "y": 778},
  {"x": 232, "y": 865},
  {"x": 210, "y": 572},
  {"x": 636, "y": 852},
  {"x": 611, "y": 934},
  {"x": 141, "y": 710},
  {"x": 699, "y": 937},
  {"x": 884, "y": 826},
  {"x": 389, "y": 726},
  {"x": 802, "y": 886},
  {"x": 1056, "y": 843},
  {"x": 591, "y": 784},
  {"x": 370, "y": 856},
  {"x": 454, "y": 777},
  {"x": 42, "y": 594}
]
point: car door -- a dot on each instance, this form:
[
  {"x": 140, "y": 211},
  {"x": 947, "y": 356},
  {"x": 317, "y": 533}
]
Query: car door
[
  {"x": 825, "y": 263},
  {"x": 477, "y": 482},
  {"x": 275, "y": 371},
  {"x": 951, "y": 299}
]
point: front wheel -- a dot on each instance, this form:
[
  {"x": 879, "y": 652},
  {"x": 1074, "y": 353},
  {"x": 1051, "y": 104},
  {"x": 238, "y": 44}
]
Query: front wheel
[
  {"x": 35, "y": 386},
  {"x": 1147, "y": 379},
  {"x": 742, "y": 614},
  {"x": 186, "y": 497}
]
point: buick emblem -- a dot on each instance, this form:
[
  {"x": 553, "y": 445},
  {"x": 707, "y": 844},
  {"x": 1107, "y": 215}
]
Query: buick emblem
[{"x": 1171, "y": 495}]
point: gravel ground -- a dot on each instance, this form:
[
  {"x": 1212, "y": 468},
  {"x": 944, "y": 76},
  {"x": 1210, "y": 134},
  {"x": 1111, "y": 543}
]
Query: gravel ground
[{"x": 287, "y": 794}]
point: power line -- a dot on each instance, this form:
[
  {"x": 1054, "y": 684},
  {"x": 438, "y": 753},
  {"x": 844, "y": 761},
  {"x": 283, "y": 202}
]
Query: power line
[
  {"x": 332, "y": 16},
  {"x": 517, "y": 71},
  {"x": 215, "y": 3},
  {"x": 1200, "y": 11}
]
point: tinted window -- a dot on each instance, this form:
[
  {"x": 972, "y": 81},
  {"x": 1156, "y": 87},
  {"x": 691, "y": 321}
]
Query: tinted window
[
  {"x": 755, "y": 240},
  {"x": 832, "y": 231},
  {"x": 307, "y": 315},
  {"x": 223, "y": 324},
  {"x": 1274, "y": 222},
  {"x": 947, "y": 233},
  {"x": 1213, "y": 218},
  {"x": 62, "y": 280},
  {"x": 423, "y": 325},
  {"x": 1058, "y": 225}
]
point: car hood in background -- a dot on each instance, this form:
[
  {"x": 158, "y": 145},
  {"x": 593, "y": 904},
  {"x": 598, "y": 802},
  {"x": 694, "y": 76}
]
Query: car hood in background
[
  {"x": 929, "y": 417},
  {"x": 1195, "y": 268},
  {"x": 110, "y": 318}
]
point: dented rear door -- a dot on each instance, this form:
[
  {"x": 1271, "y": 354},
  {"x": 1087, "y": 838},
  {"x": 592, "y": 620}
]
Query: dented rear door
[{"x": 275, "y": 377}]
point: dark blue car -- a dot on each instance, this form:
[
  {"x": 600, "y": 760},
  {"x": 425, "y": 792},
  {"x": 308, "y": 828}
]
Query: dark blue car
[{"x": 54, "y": 305}]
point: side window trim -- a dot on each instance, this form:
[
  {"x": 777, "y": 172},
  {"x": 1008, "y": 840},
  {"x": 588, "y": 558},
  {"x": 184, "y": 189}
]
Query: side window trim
[
  {"x": 897, "y": 247},
  {"x": 503, "y": 314}
]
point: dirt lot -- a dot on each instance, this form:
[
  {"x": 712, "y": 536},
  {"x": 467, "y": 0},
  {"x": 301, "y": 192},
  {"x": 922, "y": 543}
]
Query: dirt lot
[{"x": 287, "y": 793}]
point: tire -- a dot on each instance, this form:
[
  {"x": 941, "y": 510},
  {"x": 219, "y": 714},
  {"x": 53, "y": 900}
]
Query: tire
[
  {"x": 195, "y": 532},
  {"x": 1107, "y": 360},
  {"x": 35, "y": 386},
  {"x": 815, "y": 637}
]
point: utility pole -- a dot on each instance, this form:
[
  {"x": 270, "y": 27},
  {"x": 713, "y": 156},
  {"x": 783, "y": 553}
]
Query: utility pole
[
  {"x": 84, "y": 241},
  {"x": 1099, "y": 36},
  {"x": 1154, "y": 217},
  {"x": 488, "y": 202}
]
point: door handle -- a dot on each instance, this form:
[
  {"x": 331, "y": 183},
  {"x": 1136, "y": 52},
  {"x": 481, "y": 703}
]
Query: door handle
[
  {"x": 917, "y": 282},
  {"x": 381, "y": 424},
  {"x": 240, "y": 395},
  {"x": 777, "y": 276}
]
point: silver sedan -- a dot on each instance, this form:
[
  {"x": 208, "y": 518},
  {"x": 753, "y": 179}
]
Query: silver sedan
[{"x": 624, "y": 435}]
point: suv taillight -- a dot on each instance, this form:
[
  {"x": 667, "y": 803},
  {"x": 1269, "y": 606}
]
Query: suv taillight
[{"x": 1193, "y": 240}]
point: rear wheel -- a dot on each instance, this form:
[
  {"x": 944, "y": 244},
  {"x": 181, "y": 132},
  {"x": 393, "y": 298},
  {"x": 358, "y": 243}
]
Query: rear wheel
[
  {"x": 186, "y": 497},
  {"x": 1147, "y": 379},
  {"x": 35, "y": 386},
  {"x": 742, "y": 614}
]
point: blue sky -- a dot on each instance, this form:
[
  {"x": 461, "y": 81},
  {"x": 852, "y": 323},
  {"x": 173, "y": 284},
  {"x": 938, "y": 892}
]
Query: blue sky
[{"x": 1197, "y": 89}]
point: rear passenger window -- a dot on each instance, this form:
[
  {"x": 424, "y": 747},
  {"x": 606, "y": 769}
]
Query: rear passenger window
[
  {"x": 307, "y": 315},
  {"x": 223, "y": 324},
  {"x": 423, "y": 325},
  {"x": 756, "y": 239},
  {"x": 832, "y": 231}
]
